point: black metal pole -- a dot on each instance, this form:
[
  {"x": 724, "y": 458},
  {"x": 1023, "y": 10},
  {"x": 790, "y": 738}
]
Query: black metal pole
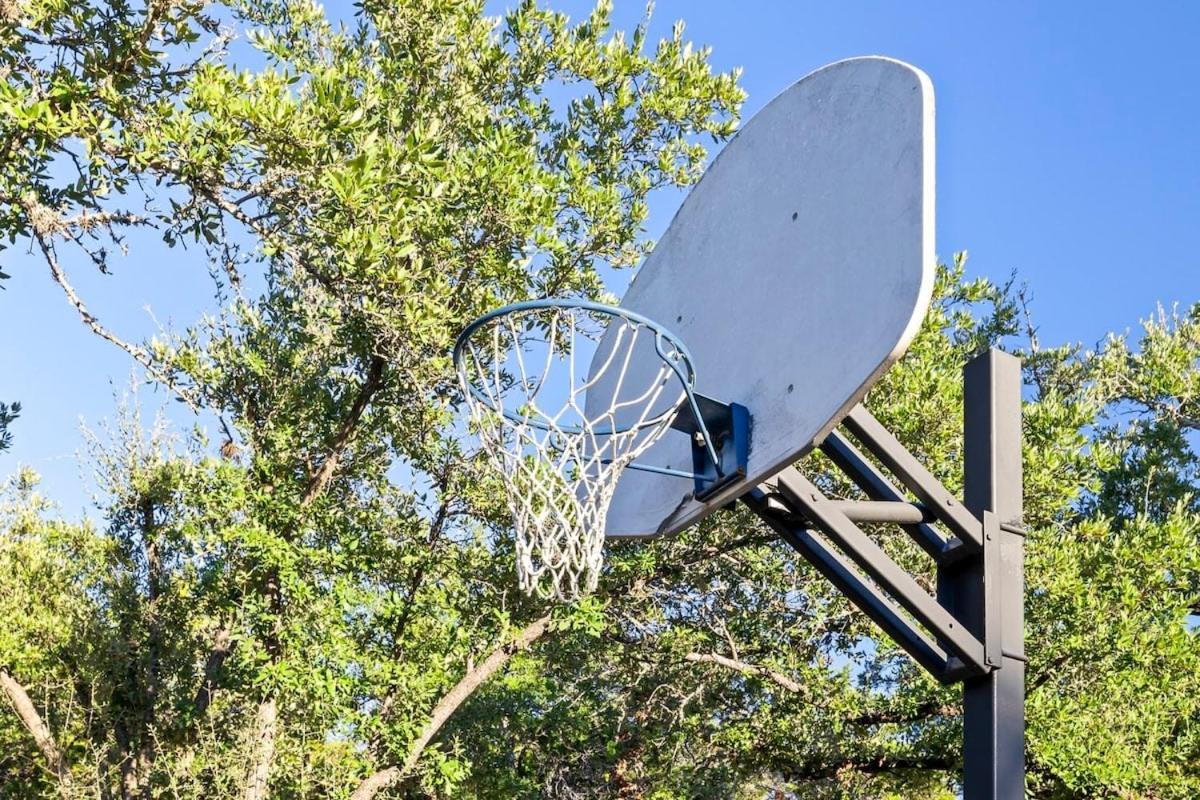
[{"x": 994, "y": 704}]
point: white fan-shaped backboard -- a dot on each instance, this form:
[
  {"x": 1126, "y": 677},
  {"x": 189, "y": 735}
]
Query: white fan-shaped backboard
[{"x": 796, "y": 271}]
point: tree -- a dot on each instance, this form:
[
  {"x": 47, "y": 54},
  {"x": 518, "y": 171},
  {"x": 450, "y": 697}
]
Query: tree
[
  {"x": 321, "y": 601},
  {"x": 8, "y": 415},
  {"x": 278, "y": 615}
]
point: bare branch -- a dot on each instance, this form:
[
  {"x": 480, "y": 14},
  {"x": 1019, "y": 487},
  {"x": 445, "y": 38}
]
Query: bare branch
[
  {"x": 449, "y": 703},
  {"x": 870, "y": 766},
  {"x": 921, "y": 712},
  {"x": 345, "y": 433},
  {"x": 746, "y": 669},
  {"x": 40, "y": 731},
  {"x": 138, "y": 354}
]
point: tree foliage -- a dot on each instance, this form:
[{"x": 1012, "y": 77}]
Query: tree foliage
[
  {"x": 320, "y": 601},
  {"x": 8, "y": 415}
]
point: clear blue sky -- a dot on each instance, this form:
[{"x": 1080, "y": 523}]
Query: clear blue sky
[{"x": 1068, "y": 150}]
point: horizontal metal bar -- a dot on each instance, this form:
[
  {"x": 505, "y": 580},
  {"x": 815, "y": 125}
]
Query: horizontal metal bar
[
  {"x": 884, "y": 446},
  {"x": 674, "y": 473},
  {"x": 878, "y": 487},
  {"x": 871, "y": 559},
  {"x": 867, "y": 597},
  {"x": 1012, "y": 527},
  {"x": 883, "y": 511}
]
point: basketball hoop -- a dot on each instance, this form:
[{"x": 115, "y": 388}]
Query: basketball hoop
[{"x": 524, "y": 370}]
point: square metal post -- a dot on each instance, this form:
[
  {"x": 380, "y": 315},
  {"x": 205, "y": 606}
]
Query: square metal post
[{"x": 993, "y": 704}]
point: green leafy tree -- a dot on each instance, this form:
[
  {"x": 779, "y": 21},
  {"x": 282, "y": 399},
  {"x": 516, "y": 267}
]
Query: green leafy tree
[
  {"x": 300, "y": 610},
  {"x": 8, "y": 415}
]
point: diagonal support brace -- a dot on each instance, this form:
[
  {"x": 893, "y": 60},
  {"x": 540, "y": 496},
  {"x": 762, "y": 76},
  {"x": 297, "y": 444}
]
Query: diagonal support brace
[
  {"x": 912, "y": 473},
  {"x": 868, "y": 478},
  {"x": 800, "y": 494},
  {"x": 866, "y": 596}
]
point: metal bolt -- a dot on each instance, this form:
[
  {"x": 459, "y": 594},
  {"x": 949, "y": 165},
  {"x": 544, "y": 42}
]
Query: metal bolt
[{"x": 698, "y": 439}]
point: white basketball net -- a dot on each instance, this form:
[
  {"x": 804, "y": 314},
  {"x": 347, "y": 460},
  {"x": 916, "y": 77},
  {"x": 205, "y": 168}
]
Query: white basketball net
[{"x": 559, "y": 461}]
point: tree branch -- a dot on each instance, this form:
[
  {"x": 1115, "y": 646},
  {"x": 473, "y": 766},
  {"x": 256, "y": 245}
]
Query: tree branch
[
  {"x": 746, "y": 669},
  {"x": 234, "y": 210},
  {"x": 40, "y": 731},
  {"x": 446, "y": 707},
  {"x": 137, "y": 353},
  {"x": 869, "y": 766},
  {"x": 222, "y": 646},
  {"x": 345, "y": 433},
  {"x": 1036, "y": 681},
  {"x": 258, "y": 770},
  {"x": 414, "y": 586}
]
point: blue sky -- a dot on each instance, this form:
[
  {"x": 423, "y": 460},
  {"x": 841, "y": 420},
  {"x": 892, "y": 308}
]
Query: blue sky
[{"x": 1068, "y": 151}]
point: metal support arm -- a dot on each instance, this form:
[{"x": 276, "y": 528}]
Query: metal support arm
[
  {"x": 912, "y": 473},
  {"x": 868, "y": 478},
  {"x": 973, "y": 630},
  {"x": 720, "y": 441},
  {"x": 799, "y": 493},
  {"x": 720, "y": 444},
  {"x": 840, "y": 571}
]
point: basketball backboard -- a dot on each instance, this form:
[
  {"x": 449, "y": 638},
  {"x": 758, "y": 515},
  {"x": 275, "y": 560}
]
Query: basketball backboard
[{"x": 796, "y": 271}]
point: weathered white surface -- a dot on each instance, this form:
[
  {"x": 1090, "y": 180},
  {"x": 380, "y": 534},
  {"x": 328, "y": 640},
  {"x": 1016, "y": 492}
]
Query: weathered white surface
[{"x": 797, "y": 271}]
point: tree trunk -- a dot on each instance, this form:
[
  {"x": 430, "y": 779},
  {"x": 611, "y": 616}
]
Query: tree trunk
[
  {"x": 125, "y": 761},
  {"x": 148, "y": 724},
  {"x": 262, "y": 751},
  {"x": 36, "y": 726},
  {"x": 446, "y": 707},
  {"x": 222, "y": 646}
]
